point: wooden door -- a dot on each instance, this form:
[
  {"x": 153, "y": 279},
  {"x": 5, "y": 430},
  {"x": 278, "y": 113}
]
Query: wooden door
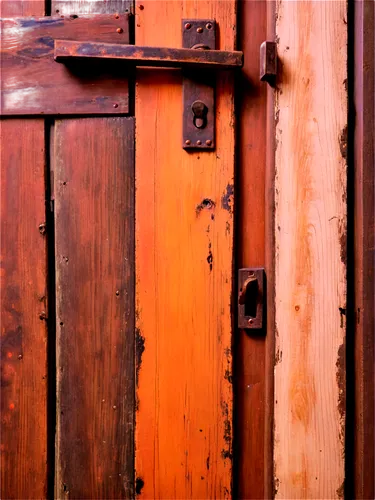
[{"x": 117, "y": 279}]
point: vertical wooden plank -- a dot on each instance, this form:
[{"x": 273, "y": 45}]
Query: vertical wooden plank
[
  {"x": 250, "y": 348},
  {"x": 23, "y": 311},
  {"x": 184, "y": 245},
  {"x": 94, "y": 220},
  {"x": 310, "y": 235},
  {"x": 364, "y": 225}
]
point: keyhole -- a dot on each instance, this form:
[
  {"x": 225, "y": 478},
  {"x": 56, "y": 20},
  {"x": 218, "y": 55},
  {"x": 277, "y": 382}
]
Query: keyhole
[{"x": 199, "y": 110}]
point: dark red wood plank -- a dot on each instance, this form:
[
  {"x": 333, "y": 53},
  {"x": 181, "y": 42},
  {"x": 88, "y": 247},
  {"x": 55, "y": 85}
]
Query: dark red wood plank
[
  {"x": 251, "y": 347},
  {"x": 364, "y": 272},
  {"x": 94, "y": 221},
  {"x": 23, "y": 311},
  {"x": 34, "y": 83}
]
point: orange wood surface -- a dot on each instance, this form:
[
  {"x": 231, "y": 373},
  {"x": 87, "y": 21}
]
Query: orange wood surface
[
  {"x": 310, "y": 249},
  {"x": 23, "y": 311},
  {"x": 184, "y": 273},
  {"x": 94, "y": 222}
]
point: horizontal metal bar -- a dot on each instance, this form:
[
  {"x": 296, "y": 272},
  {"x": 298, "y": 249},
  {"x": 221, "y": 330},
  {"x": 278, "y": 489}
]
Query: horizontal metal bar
[{"x": 148, "y": 56}]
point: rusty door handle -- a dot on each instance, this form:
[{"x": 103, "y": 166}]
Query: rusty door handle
[{"x": 149, "y": 56}]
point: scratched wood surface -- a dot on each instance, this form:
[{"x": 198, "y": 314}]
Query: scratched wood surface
[
  {"x": 94, "y": 220},
  {"x": 184, "y": 245},
  {"x": 364, "y": 451},
  {"x": 33, "y": 83},
  {"x": 250, "y": 346},
  {"x": 310, "y": 235},
  {"x": 23, "y": 311}
]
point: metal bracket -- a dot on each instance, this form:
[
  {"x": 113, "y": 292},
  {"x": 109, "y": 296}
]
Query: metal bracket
[
  {"x": 251, "y": 297},
  {"x": 268, "y": 62},
  {"x": 198, "y": 88}
]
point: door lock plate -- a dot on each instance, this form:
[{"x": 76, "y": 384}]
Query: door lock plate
[
  {"x": 251, "y": 298},
  {"x": 198, "y": 88}
]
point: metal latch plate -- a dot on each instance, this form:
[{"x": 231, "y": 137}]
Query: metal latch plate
[
  {"x": 251, "y": 298},
  {"x": 198, "y": 86}
]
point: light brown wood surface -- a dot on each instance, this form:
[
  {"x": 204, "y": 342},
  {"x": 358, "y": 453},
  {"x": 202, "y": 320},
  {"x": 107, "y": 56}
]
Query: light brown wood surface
[
  {"x": 183, "y": 273},
  {"x": 310, "y": 236}
]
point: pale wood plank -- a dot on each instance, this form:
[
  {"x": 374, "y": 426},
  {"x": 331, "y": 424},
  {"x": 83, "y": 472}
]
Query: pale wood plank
[
  {"x": 310, "y": 235},
  {"x": 184, "y": 273}
]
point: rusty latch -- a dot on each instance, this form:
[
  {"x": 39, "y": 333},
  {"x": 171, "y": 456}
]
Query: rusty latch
[
  {"x": 251, "y": 298},
  {"x": 197, "y": 58}
]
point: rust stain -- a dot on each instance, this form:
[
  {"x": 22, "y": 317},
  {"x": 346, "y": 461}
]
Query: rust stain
[
  {"x": 139, "y": 349},
  {"x": 341, "y": 383},
  {"x": 278, "y": 357},
  {"x": 343, "y": 142},
  {"x": 227, "y": 198},
  {"x": 340, "y": 490},
  {"x": 210, "y": 257},
  {"x": 343, "y": 238}
]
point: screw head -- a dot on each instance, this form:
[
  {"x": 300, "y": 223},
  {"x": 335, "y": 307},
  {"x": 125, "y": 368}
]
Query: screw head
[
  {"x": 187, "y": 26},
  {"x": 250, "y": 321},
  {"x": 188, "y": 142},
  {"x": 141, "y": 7},
  {"x": 119, "y": 31},
  {"x": 199, "y": 30},
  {"x": 115, "y": 105},
  {"x": 116, "y": 16},
  {"x": 208, "y": 142},
  {"x": 209, "y": 26},
  {"x": 199, "y": 142}
]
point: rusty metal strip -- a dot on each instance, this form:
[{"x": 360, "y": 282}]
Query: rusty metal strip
[{"x": 147, "y": 56}]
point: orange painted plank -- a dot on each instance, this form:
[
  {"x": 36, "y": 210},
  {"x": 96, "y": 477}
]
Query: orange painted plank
[
  {"x": 310, "y": 246},
  {"x": 184, "y": 248},
  {"x": 94, "y": 221},
  {"x": 23, "y": 311}
]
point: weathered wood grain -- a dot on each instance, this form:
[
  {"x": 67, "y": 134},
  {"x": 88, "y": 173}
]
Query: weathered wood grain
[
  {"x": 66, "y": 7},
  {"x": 33, "y": 83},
  {"x": 250, "y": 348},
  {"x": 310, "y": 236},
  {"x": 23, "y": 311},
  {"x": 94, "y": 220},
  {"x": 184, "y": 246},
  {"x": 364, "y": 227}
]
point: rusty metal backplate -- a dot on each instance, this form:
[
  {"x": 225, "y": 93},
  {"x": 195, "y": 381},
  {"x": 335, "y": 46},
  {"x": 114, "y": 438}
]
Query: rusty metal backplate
[
  {"x": 198, "y": 87},
  {"x": 32, "y": 83},
  {"x": 251, "y": 302}
]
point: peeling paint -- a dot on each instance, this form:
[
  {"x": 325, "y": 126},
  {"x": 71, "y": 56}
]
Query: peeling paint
[
  {"x": 227, "y": 198},
  {"x": 341, "y": 383},
  {"x": 139, "y": 349}
]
